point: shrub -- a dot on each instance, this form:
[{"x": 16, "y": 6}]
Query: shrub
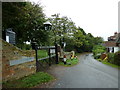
[
  {"x": 117, "y": 58},
  {"x": 98, "y": 49},
  {"x": 111, "y": 57},
  {"x": 97, "y": 56},
  {"x": 27, "y": 46}
]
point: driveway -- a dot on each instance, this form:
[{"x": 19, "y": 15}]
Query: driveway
[{"x": 88, "y": 73}]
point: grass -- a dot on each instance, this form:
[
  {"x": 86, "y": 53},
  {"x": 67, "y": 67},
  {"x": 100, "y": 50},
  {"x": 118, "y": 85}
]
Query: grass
[
  {"x": 42, "y": 53},
  {"x": 29, "y": 81},
  {"x": 71, "y": 62},
  {"x": 77, "y": 54},
  {"x": 112, "y": 65},
  {"x": 107, "y": 63},
  {"x": 99, "y": 60}
]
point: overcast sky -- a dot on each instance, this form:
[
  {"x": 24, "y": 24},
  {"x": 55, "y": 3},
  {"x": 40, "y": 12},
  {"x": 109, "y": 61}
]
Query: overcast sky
[{"x": 99, "y": 17}]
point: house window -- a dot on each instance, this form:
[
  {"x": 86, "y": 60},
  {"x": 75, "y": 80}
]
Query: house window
[
  {"x": 7, "y": 39},
  {"x": 113, "y": 49},
  {"x": 108, "y": 49}
]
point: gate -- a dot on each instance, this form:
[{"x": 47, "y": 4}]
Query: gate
[{"x": 51, "y": 49}]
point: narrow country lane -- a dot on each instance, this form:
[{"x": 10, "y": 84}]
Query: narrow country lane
[{"x": 89, "y": 73}]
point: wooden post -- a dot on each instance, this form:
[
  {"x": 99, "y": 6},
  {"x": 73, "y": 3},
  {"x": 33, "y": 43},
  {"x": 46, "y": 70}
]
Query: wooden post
[
  {"x": 34, "y": 47},
  {"x": 4, "y": 35},
  {"x": 36, "y": 59},
  {"x": 49, "y": 57},
  {"x": 56, "y": 51}
]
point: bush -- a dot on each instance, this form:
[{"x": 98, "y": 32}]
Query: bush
[
  {"x": 117, "y": 58},
  {"x": 111, "y": 57},
  {"x": 97, "y": 56},
  {"x": 98, "y": 49},
  {"x": 27, "y": 47}
]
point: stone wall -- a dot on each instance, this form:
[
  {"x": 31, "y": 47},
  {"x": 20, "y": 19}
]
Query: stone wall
[
  {"x": 16, "y": 63},
  {"x": 0, "y": 65}
]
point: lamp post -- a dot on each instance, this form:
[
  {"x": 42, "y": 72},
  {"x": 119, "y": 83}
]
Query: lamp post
[{"x": 47, "y": 26}]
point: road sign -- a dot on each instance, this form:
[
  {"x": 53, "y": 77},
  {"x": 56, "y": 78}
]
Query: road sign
[{"x": 52, "y": 51}]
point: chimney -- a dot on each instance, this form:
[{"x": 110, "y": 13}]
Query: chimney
[{"x": 116, "y": 34}]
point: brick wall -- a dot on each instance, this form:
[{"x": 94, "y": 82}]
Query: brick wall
[
  {"x": 16, "y": 71},
  {"x": 13, "y": 66}
]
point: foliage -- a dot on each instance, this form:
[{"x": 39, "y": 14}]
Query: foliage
[
  {"x": 26, "y": 19},
  {"x": 97, "y": 56},
  {"x": 29, "y": 81},
  {"x": 110, "y": 64},
  {"x": 70, "y": 62},
  {"x": 11, "y": 12},
  {"x": 62, "y": 27},
  {"x": 111, "y": 57},
  {"x": 117, "y": 58},
  {"x": 98, "y": 49},
  {"x": 98, "y": 40},
  {"x": 65, "y": 30}
]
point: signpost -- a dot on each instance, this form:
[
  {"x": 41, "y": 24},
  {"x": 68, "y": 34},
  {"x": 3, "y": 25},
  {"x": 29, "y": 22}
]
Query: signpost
[{"x": 52, "y": 51}]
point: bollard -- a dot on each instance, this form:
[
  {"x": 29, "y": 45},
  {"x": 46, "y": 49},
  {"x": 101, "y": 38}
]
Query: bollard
[{"x": 64, "y": 59}]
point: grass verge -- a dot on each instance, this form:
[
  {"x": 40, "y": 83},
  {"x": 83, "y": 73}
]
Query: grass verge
[
  {"x": 29, "y": 81},
  {"x": 112, "y": 65},
  {"x": 107, "y": 63},
  {"x": 70, "y": 62}
]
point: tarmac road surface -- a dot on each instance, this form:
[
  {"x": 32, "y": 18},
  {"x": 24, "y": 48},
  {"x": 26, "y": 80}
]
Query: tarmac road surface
[{"x": 88, "y": 73}]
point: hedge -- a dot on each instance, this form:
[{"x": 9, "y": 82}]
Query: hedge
[{"x": 117, "y": 58}]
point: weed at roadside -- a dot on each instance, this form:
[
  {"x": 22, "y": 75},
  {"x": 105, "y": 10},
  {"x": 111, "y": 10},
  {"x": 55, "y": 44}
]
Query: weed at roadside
[
  {"x": 70, "y": 62},
  {"x": 29, "y": 81}
]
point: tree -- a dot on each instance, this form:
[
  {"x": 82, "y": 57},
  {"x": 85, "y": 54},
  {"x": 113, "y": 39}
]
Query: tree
[
  {"x": 26, "y": 19},
  {"x": 82, "y": 30},
  {"x": 98, "y": 49},
  {"x": 62, "y": 27},
  {"x": 10, "y": 12},
  {"x": 75, "y": 37},
  {"x": 98, "y": 40}
]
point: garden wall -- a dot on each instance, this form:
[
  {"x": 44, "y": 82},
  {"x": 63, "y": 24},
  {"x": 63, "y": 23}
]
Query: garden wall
[{"x": 16, "y": 63}]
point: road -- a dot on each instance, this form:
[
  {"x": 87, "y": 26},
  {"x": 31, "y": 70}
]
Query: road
[{"x": 88, "y": 73}]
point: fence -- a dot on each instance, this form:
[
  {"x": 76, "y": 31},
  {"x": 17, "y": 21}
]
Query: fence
[{"x": 42, "y": 63}]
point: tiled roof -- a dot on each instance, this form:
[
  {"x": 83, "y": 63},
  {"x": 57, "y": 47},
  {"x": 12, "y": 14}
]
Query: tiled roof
[
  {"x": 112, "y": 36},
  {"x": 109, "y": 43}
]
